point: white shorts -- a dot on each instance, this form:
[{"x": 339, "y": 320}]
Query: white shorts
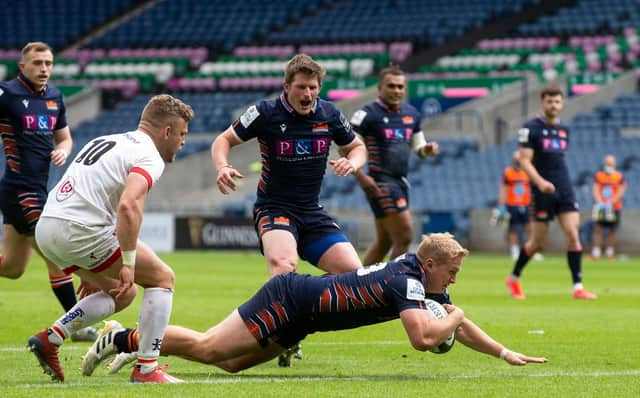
[{"x": 71, "y": 245}]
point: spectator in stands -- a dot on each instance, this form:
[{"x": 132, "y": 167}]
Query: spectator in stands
[
  {"x": 295, "y": 132},
  {"x": 514, "y": 199},
  {"x": 391, "y": 130},
  {"x": 609, "y": 185},
  {"x": 291, "y": 306},
  {"x": 543, "y": 143},
  {"x": 90, "y": 225},
  {"x": 34, "y": 130}
]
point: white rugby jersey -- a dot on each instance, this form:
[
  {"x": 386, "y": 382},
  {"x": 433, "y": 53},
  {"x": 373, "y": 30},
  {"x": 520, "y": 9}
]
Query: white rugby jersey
[{"x": 89, "y": 191}]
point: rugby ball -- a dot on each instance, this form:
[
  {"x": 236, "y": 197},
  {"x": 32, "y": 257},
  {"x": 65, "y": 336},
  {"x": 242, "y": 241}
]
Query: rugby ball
[{"x": 437, "y": 311}]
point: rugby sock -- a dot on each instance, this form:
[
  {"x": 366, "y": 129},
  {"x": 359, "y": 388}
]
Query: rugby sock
[
  {"x": 154, "y": 318},
  {"x": 62, "y": 287},
  {"x": 126, "y": 340},
  {"x": 574, "y": 258},
  {"x": 87, "y": 311},
  {"x": 595, "y": 252},
  {"x": 522, "y": 260},
  {"x": 609, "y": 252}
]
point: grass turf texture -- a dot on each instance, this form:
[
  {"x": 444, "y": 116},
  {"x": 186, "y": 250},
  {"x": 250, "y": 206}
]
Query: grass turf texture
[{"x": 592, "y": 347}]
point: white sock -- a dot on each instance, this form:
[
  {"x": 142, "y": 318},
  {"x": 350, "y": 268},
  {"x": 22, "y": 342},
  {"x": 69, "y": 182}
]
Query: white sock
[
  {"x": 86, "y": 312},
  {"x": 595, "y": 252},
  {"x": 154, "y": 318},
  {"x": 609, "y": 251},
  {"x": 578, "y": 286}
]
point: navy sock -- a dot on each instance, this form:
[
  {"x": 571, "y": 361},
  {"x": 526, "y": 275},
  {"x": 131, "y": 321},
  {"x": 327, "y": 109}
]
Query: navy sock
[
  {"x": 62, "y": 287},
  {"x": 124, "y": 340},
  {"x": 574, "y": 258},
  {"x": 522, "y": 260}
]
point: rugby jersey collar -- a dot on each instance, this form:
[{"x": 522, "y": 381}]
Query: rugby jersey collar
[
  {"x": 29, "y": 86},
  {"x": 290, "y": 109},
  {"x": 385, "y": 107}
]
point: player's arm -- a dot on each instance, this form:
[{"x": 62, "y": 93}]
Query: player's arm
[
  {"x": 128, "y": 222},
  {"x": 353, "y": 157},
  {"x": 471, "y": 335},
  {"x": 366, "y": 182},
  {"x": 425, "y": 333},
  {"x": 220, "y": 149},
  {"x": 621, "y": 190},
  {"x": 595, "y": 189},
  {"x": 63, "y": 145},
  {"x": 526, "y": 157},
  {"x": 421, "y": 147}
]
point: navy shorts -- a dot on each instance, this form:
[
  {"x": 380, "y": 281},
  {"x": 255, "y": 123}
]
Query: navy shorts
[
  {"x": 21, "y": 207},
  {"x": 611, "y": 224},
  {"x": 270, "y": 315},
  {"x": 393, "y": 199},
  {"x": 314, "y": 230},
  {"x": 518, "y": 215},
  {"x": 546, "y": 206}
]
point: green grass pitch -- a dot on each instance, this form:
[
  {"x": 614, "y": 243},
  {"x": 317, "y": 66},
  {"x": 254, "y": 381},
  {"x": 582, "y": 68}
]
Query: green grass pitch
[{"x": 593, "y": 347}]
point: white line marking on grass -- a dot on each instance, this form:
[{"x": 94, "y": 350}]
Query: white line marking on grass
[
  {"x": 25, "y": 348},
  {"x": 374, "y": 378}
]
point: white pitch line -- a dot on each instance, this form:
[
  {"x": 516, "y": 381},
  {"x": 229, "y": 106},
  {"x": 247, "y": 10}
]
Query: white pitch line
[
  {"x": 314, "y": 379},
  {"x": 24, "y": 348}
]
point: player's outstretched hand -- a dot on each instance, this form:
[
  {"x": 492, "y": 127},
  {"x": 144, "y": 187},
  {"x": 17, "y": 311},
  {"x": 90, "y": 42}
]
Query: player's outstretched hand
[
  {"x": 59, "y": 157},
  {"x": 342, "y": 166},
  {"x": 431, "y": 149},
  {"x": 518, "y": 359},
  {"x": 226, "y": 179}
]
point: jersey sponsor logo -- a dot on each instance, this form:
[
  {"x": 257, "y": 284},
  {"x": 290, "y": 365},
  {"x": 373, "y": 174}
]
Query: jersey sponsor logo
[
  {"x": 415, "y": 290},
  {"x": 358, "y": 117},
  {"x": 39, "y": 122},
  {"x": 523, "y": 135},
  {"x": 52, "y": 105},
  {"x": 407, "y": 119},
  {"x": 554, "y": 144},
  {"x": 302, "y": 147},
  {"x": 65, "y": 190},
  {"x": 398, "y": 134},
  {"x": 249, "y": 116}
]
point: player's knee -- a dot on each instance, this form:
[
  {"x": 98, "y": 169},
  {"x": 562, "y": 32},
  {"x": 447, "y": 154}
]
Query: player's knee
[
  {"x": 282, "y": 265},
  {"x": 403, "y": 239},
  {"x": 11, "y": 270},
  {"x": 168, "y": 278}
]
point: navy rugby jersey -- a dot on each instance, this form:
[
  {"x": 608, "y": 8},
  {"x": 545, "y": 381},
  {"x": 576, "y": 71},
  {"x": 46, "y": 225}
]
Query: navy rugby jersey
[
  {"x": 549, "y": 143},
  {"x": 293, "y": 148},
  {"x": 387, "y": 135},
  {"x": 27, "y": 122},
  {"x": 370, "y": 295}
]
